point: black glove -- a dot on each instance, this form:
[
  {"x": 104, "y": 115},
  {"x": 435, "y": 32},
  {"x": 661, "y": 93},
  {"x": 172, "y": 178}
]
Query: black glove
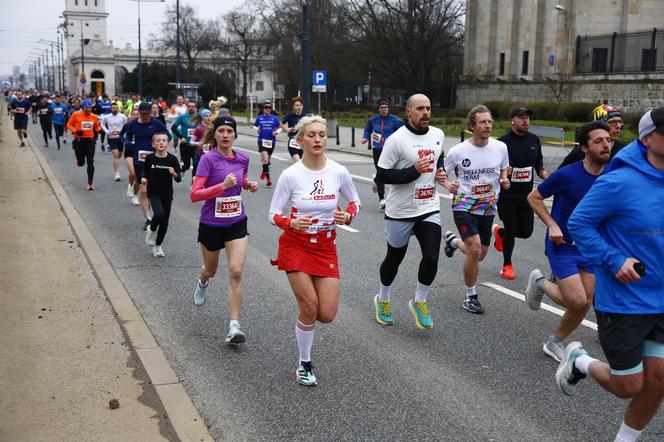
[
  {"x": 79, "y": 133},
  {"x": 369, "y": 147}
]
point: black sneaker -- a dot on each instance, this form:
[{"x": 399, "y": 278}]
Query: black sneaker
[
  {"x": 146, "y": 223},
  {"x": 472, "y": 304},
  {"x": 449, "y": 250}
]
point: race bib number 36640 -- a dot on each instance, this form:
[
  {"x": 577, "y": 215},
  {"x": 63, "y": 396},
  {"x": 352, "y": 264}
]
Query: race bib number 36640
[
  {"x": 481, "y": 190},
  {"x": 228, "y": 207}
]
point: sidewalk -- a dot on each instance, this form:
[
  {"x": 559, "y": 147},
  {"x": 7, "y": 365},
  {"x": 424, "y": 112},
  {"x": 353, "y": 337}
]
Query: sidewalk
[{"x": 64, "y": 355}]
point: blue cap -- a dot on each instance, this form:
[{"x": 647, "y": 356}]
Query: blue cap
[
  {"x": 87, "y": 102},
  {"x": 205, "y": 112}
]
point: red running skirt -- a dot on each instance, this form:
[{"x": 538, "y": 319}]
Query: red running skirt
[{"x": 299, "y": 254}]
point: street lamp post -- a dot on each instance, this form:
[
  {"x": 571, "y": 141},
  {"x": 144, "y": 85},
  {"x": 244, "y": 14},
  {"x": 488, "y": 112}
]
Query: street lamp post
[
  {"x": 52, "y": 76},
  {"x": 177, "y": 45},
  {"x": 306, "y": 62},
  {"x": 140, "y": 58}
]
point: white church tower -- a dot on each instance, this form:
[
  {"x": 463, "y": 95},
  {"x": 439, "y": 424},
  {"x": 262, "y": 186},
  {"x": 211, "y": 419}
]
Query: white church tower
[{"x": 91, "y": 65}]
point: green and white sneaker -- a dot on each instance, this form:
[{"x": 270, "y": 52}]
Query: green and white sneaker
[
  {"x": 421, "y": 313},
  {"x": 305, "y": 374},
  {"x": 383, "y": 312}
]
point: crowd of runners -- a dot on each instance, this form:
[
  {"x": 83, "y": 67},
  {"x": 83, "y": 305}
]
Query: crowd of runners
[{"x": 604, "y": 240}]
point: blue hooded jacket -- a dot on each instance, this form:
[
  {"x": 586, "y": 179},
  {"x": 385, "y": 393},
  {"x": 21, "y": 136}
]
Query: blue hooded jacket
[
  {"x": 377, "y": 135},
  {"x": 622, "y": 217}
]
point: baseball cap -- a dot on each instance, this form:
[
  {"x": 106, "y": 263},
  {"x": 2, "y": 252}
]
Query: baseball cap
[
  {"x": 87, "y": 102},
  {"x": 651, "y": 121},
  {"x": 144, "y": 108},
  {"x": 520, "y": 111}
]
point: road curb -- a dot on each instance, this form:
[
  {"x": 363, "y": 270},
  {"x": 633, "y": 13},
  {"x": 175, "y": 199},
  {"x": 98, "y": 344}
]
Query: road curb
[{"x": 183, "y": 415}]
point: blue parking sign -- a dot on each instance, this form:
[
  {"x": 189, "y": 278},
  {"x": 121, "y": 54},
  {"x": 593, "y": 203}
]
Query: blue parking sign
[{"x": 320, "y": 78}]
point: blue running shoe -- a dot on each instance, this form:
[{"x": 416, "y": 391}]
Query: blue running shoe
[
  {"x": 567, "y": 375},
  {"x": 472, "y": 304},
  {"x": 421, "y": 313},
  {"x": 383, "y": 312},
  {"x": 199, "y": 293}
]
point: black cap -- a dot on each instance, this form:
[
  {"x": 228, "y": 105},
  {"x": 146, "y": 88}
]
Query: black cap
[
  {"x": 225, "y": 121},
  {"x": 520, "y": 111},
  {"x": 144, "y": 108},
  {"x": 383, "y": 102}
]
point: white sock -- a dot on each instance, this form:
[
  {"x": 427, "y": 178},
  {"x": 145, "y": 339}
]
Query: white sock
[
  {"x": 201, "y": 283},
  {"x": 421, "y": 292},
  {"x": 582, "y": 362},
  {"x": 470, "y": 291},
  {"x": 627, "y": 434},
  {"x": 455, "y": 243},
  {"x": 384, "y": 293},
  {"x": 305, "y": 337},
  {"x": 233, "y": 322}
]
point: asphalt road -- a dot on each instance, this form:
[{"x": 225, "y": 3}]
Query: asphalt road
[{"x": 471, "y": 378}]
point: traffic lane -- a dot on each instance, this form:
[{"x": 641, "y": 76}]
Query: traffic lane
[{"x": 214, "y": 325}]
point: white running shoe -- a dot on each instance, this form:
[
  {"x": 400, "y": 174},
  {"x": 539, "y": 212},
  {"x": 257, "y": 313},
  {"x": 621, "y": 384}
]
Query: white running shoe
[
  {"x": 157, "y": 251},
  {"x": 134, "y": 201},
  {"x": 130, "y": 190},
  {"x": 150, "y": 237},
  {"x": 117, "y": 176},
  {"x": 534, "y": 292},
  {"x": 199, "y": 293},
  {"x": 235, "y": 335}
]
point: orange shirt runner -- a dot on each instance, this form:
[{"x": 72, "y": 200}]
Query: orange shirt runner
[{"x": 88, "y": 124}]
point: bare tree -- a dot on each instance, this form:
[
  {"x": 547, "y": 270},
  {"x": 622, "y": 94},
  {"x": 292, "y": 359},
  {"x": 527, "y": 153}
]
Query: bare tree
[
  {"x": 196, "y": 35},
  {"x": 243, "y": 44},
  {"x": 408, "y": 42}
]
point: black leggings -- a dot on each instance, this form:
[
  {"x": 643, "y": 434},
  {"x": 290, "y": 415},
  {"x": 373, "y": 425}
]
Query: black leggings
[
  {"x": 59, "y": 131},
  {"x": 380, "y": 187},
  {"x": 161, "y": 212},
  {"x": 429, "y": 236},
  {"x": 47, "y": 129},
  {"x": 84, "y": 149},
  {"x": 518, "y": 220},
  {"x": 187, "y": 154}
]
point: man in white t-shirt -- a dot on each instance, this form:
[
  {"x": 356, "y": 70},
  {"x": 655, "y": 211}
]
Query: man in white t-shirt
[
  {"x": 480, "y": 165},
  {"x": 174, "y": 112},
  {"x": 411, "y": 164}
]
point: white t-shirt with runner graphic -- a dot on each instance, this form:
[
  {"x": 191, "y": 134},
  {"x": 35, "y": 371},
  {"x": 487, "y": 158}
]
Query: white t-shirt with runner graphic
[
  {"x": 314, "y": 193},
  {"x": 478, "y": 171},
  {"x": 112, "y": 124},
  {"x": 400, "y": 151}
]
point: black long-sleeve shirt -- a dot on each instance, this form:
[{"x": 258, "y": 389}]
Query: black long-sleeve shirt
[{"x": 160, "y": 181}]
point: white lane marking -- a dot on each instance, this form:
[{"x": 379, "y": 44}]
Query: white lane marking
[
  {"x": 350, "y": 229},
  {"x": 546, "y": 307},
  {"x": 362, "y": 179},
  {"x": 276, "y": 157}
]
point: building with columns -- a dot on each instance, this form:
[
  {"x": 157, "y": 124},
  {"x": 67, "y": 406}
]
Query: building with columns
[
  {"x": 89, "y": 51},
  {"x": 564, "y": 50}
]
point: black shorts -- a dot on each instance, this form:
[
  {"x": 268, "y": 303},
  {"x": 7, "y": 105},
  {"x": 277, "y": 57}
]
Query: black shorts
[
  {"x": 18, "y": 125},
  {"x": 517, "y": 216},
  {"x": 627, "y": 339},
  {"x": 116, "y": 143},
  {"x": 138, "y": 170},
  {"x": 129, "y": 153},
  {"x": 269, "y": 150},
  {"x": 470, "y": 224},
  {"x": 293, "y": 151},
  {"x": 214, "y": 238}
]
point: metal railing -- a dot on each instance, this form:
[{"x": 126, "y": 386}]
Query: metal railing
[{"x": 635, "y": 52}]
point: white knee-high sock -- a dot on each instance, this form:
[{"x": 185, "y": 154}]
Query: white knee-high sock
[
  {"x": 305, "y": 337},
  {"x": 627, "y": 434}
]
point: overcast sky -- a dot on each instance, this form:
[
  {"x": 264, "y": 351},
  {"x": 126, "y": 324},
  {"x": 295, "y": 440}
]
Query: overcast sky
[{"x": 24, "y": 22}]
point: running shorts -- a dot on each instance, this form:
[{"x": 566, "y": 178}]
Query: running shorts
[
  {"x": 566, "y": 261},
  {"x": 398, "y": 233},
  {"x": 20, "y": 124},
  {"x": 470, "y": 224},
  {"x": 215, "y": 237},
  {"x": 627, "y": 339},
  {"x": 116, "y": 143}
]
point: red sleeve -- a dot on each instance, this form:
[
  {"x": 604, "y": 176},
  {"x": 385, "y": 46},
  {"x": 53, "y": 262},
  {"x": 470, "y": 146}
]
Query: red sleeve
[
  {"x": 281, "y": 221},
  {"x": 352, "y": 210},
  {"x": 200, "y": 193}
]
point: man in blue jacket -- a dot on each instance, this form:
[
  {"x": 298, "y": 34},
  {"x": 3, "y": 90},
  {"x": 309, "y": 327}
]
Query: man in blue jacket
[
  {"x": 378, "y": 129},
  {"x": 267, "y": 127},
  {"x": 619, "y": 226}
]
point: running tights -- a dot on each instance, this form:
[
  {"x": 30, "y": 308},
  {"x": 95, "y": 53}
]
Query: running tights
[
  {"x": 429, "y": 236},
  {"x": 380, "y": 187},
  {"x": 84, "y": 149},
  {"x": 161, "y": 212},
  {"x": 46, "y": 128},
  {"x": 59, "y": 131},
  {"x": 187, "y": 154}
]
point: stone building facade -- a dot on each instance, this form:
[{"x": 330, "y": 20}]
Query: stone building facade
[{"x": 564, "y": 50}]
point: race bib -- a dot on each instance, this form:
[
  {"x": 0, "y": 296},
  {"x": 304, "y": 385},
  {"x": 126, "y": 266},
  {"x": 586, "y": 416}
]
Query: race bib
[
  {"x": 522, "y": 174},
  {"x": 205, "y": 147},
  {"x": 87, "y": 125},
  {"x": 424, "y": 193},
  {"x": 481, "y": 190},
  {"x": 57, "y": 110},
  {"x": 142, "y": 154},
  {"x": 228, "y": 206},
  {"x": 375, "y": 137},
  {"x": 20, "y": 110},
  {"x": 190, "y": 132},
  {"x": 43, "y": 111},
  {"x": 267, "y": 144},
  {"x": 292, "y": 143},
  {"x": 114, "y": 134}
]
